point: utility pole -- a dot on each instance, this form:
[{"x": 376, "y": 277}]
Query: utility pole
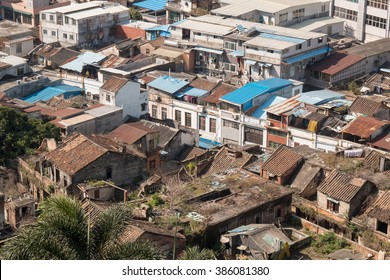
[{"x": 174, "y": 238}]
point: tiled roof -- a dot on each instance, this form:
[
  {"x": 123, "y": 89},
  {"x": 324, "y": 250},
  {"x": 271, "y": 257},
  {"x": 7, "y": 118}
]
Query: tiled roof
[
  {"x": 336, "y": 62},
  {"x": 114, "y": 84},
  {"x": 341, "y": 186},
  {"x": 218, "y": 92},
  {"x": 166, "y": 133},
  {"x": 190, "y": 152},
  {"x": 365, "y": 106},
  {"x": 78, "y": 151},
  {"x": 67, "y": 112},
  {"x": 364, "y": 126},
  {"x": 204, "y": 84},
  {"x": 130, "y": 132},
  {"x": 223, "y": 161},
  {"x": 381, "y": 208},
  {"x": 281, "y": 161}
]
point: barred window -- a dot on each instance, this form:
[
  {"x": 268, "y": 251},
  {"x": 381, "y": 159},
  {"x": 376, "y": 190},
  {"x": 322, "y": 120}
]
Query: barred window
[
  {"x": 230, "y": 46},
  {"x": 213, "y": 125},
  {"x": 231, "y": 124},
  {"x": 254, "y": 136},
  {"x": 187, "y": 119},
  {"x": 178, "y": 116},
  {"x": 283, "y": 17},
  {"x": 299, "y": 13},
  {"x": 202, "y": 123},
  {"x": 277, "y": 132},
  {"x": 376, "y": 21},
  {"x": 154, "y": 111},
  {"x": 273, "y": 145},
  {"x": 380, "y": 4},
  {"x": 345, "y": 13},
  {"x": 164, "y": 113},
  {"x": 230, "y": 67}
]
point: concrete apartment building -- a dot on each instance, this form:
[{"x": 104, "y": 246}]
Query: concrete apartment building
[
  {"x": 85, "y": 25},
  {"x": 274, "y": 12},
  {"x": 178, "y": 10},
  {"x": 27, "y": 11},
  {"x": 247, "y": 51},
  {"x": 366, "y": 20}
]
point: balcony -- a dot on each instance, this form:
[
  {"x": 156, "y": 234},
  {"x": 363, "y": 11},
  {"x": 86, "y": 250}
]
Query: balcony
[
  {"x": 174, "y": 6},
  {"x": 199, "y": 12}
]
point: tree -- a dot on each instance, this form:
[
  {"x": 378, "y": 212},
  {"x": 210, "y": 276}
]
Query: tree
[
  {"x": 195, "y": 253},
  {"x": 353, "y": 86},
  {"x": 63, "y": 231},
  {"x": 20, "y": 135},
  {"x": 134, "y": 14}
]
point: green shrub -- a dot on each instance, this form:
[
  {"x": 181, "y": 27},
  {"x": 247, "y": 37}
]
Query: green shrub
[{"x": 329, "y": 243}]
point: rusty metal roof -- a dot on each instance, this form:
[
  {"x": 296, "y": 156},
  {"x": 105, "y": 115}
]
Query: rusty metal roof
[
  {"x": 364, "y": 127},
  {"x": 341, "y": 186},
  {"x": 218, "y": 92},
  {"x": 204, "y": 84},
  {"x": 114, "y": 84},
  {"x": 281, "y": 161},
  {"x": 131, "y": 132},
  {"x": 284, "y": 106},
  {"x": 365, "y": 106},
  {"x": 336, "y": 62},
  {"x": 382, "y": 142}
]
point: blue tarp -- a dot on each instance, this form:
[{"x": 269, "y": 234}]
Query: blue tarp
[
  {"x": 307, "y": 55},
  {"x": 152, "y": 5},
  {"x": 49, "y": 92}
]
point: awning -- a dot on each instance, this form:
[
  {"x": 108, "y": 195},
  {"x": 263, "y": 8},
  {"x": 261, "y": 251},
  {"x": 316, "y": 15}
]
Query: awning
[
  {"x": 202, "y": 49},
  {"x": 178, "y": 94},
  {"x": 266, "y": 65},
  {"x": 250, "y": 62},
  {"x": 333, "y": 200},
  {"x": 237, "y": 53},
  {"x": 307, "y": 55}
]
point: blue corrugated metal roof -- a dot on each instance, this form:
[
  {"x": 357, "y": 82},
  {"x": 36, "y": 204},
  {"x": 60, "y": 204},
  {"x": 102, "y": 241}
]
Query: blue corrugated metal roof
[
  {"x": 260, "y": 113},
  {"x": 50, "y": 92},
  {"x": 168, "y": 84},
  {"x": 319, "y": 97},
  {"x": 159, "y": 28},
  {"x": 153, "y": 5},
  {"x": 83, "y": 59},
  {"x": 178, "y": 22},
  {"x": 240, "y": 28},
  {"x": 281, "y": 38},
  {"x": 308, "y": 55},
  {"x": 249, "y": 91},
  {"x": 192, "y": 91},
  {"x": 208, "y": 144}
]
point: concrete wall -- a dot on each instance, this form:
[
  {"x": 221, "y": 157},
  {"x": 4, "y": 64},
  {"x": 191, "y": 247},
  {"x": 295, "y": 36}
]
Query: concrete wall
[
  {"x": 26, "y": 88},
  {"x": 27, "y": 46}
]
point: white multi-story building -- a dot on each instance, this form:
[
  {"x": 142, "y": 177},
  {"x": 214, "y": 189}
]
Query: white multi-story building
[
  {"x": 249, "y": 51},
  {"x": 85, "y": 25},
  {"x": 366, "y": 20},
  {"x": 275, "y": 12}
]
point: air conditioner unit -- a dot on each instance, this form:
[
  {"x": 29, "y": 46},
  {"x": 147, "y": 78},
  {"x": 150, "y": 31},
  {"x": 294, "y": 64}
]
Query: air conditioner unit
[
  {"x": 268, "y": 123},
  {"x": 300, "y": 20},
  {"x": 236, "y": 116},
  {"x": 316, "y": 15}
]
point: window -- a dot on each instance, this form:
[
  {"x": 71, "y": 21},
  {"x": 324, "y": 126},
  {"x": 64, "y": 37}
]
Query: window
[
  {"x": 345, "y": 13},
  {"x": 298, "y": 47},
  {"x": 299, "y": 13},
  {"x": 8, "y": 14},
  {"x": 65, "y": 36},
  {"x": 71, "y": 37},
  {"x": 154, "y": 111},
  {"x": 66, "y": 20},
  {"x": 380, "y": 4},
  {"x": 283, "y": 17},
  {"x": 188, "y": 119},
  {"x": 147, "y": 51},
  {"x": 151, "y": 145},
  {"x": 143, "y": 107},
  {"x": 202, "y": 123},
  {"x": 323, "y": 8},
  {"x": 376, "y": 21},
  {"x": 382, "y": 227},
  {"x": 197, "y": 34},
  {"x": 51, "y": 18},
  {"x": 354, "y": 1},
  {"x": 253, "y": 136},
  {"x": 152, "y": 164},
  {"x": 231, "y": 124},
  {"x": 277, "y": 132},
  {"x": 213, "y": 125},
  {"x": 178, "y": 116},
  {"x": 164, "y": 113},
  {"x": 43, "y": 16},
  {"x": 108, "y": 98},
  {"x": 108, "y": 172},
  {"x": 27, "y": 19},
  {"x": 278, "y": 212},
  {"x": 273, "y": 145},
  {"x": 309, "y": 42},
  {"x": 96, "y": 194},
  {"x": 320, "y": 40},
  {"x": 230, "y": 46},
  {"x": 332, "y": 206},
  {"x": 230, "y": 67},
  {"x": 53, "y": 33},
  {"x": 20, "y": 71},
  {"x": 57, "y": 176},
  {"x": 73, "y": 21},
  {"x": 18, "y": 47}
]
